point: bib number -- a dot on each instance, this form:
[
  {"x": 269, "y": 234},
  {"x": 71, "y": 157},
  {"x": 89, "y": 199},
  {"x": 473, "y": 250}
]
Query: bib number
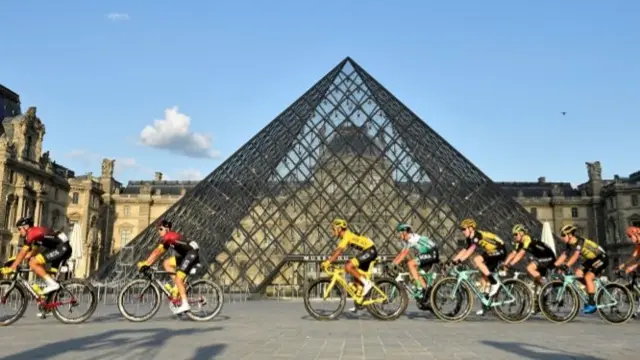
[
  {"x": 63, "y": 237},
  {"x": 194, "y": 245}
]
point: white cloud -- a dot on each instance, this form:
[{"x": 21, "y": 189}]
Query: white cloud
[
  {"x": 172, "y": 133},
  {"x": 115, "y": 16},
  {"x": 189, "y": 174}
]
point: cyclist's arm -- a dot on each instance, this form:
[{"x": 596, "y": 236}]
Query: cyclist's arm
[
  {"x": 156, "y": 254},
  {"x": 560, "y": 259},
  {"x": 510, "y": 257},
  {"x": 517, "y": 257},
  {"x": 339, "y": 250},
  {"x": 401, "y": 256},
  {"x": 574, "y": 258},
  {"x": 631, "y": 268},
  {"x": 21, "y": 256},
  {"x": 465, "y": 254}
]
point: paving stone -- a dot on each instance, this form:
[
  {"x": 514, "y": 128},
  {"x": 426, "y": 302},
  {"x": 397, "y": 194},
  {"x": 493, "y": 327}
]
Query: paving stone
[{"x": 282, "y": 330}]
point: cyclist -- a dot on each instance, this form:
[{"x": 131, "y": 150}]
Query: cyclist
[
  {"x": 42, "y": 245},
  {"x": 493, "y": 252},
  {"x": 633, "y": 232},
  {"x": 367, "y": 248},
  {"x": 594, "y": 261},
  {"x": 541, "y": 256},
  {"x": 424, "y": 253},
  {"x": 185, "y": 258}
]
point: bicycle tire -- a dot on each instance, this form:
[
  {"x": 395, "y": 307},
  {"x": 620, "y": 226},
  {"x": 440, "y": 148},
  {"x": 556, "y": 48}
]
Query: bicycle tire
[
  {"x": 90, "y": 311},
  {"x": 463, "y": 289},
  {"x": 404, "y": 301},
  {"x": 543, "y": 304},
  {"x": 219, "y": 298},
  {"x": 307, "y": 304},
  {"x": 24, "y": 302},
  {"x": 154, "y": 309},
  {"x": 527, "y": 307},
  {"x": 610, "y": 287}
]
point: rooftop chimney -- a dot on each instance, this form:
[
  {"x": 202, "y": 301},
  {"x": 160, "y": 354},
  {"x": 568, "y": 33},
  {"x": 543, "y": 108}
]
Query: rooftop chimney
[
  {"x": 158, "y": 176},
  {"x": 542, "y": 180}
]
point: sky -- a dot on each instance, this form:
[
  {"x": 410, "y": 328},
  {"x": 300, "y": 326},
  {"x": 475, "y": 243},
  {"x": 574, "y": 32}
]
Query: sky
[{"x": 178, "y": 87}]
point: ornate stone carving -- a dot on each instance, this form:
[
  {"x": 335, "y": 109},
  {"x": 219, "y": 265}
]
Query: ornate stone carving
[
  {"x": 107, "y": 168},
  {"x": 31, "y": 112},
  {"x": 12, "y": 150},
  {"x": 45, "y": 159},
  {"x": 594, "y": 170},
  {"x": 556, "y": 191}
]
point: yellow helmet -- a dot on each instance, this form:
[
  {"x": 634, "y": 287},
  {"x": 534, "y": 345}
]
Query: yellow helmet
[
  {"x": 339, "y": 223},
  {"x": 468, "y": 223},
  {"x": 568, "y": 229},
  {"x": 517, "y": 228}
]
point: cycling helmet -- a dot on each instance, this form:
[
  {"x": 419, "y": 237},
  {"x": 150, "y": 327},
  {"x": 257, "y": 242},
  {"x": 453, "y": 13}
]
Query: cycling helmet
[
  {"x": 568, "y": 229},
  {"x": 165, "y": 224},
  {"x": 518, "y": 228},
  {"x": 339, "y": 223},
  {"x": 27, "y": 220},
  {"x": 468, "y": 223},
  {"x": 403, "y": 227},
  {"x": 633, "y": 231}
]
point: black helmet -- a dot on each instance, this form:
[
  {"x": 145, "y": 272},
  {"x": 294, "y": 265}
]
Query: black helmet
[
  {"x": 165, "y": 224},
  {"x": 27, "y": 220}
]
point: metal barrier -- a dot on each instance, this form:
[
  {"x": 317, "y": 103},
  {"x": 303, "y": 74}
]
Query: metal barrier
[{"x": 108, "y": 292}]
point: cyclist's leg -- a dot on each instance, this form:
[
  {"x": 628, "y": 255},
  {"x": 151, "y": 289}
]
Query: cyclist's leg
[
  {"x": 55, "y": 255},
  {"x": 187, "y": 263},
  {"x": 169, "y": 265},
  {"x": 596, "y": 266},
  {"x": 362, "y": 262},
  {"x": 413, "y": 265}
]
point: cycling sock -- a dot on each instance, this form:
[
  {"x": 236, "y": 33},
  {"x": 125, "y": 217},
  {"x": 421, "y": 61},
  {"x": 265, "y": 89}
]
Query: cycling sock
[
  {"x": 49, "y": 280},
  {"x": 592, "y": 300}
]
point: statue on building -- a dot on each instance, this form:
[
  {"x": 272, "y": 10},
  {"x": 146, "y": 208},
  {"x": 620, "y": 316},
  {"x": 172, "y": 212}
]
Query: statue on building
[
  {"x": 31, "y": 112},
  {"x": 45, "y": 159},
  {"x": 107, "y": 168},
  {"x": 594, "y": 170}
]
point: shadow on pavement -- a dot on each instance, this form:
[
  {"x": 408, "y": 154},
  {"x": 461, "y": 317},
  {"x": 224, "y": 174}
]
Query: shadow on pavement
[
  {"x": 208, "y": 352},
  {"x": 527, "y": 351},
  {"x": 118, "y": 317},
  {"x": 116, "y": 344}
]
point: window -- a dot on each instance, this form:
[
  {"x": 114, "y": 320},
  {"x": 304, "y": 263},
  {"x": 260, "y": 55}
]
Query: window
[
  {"x": 55, "y": 217},
  {"x": 125, "y": 236},
  {"x": 27, "y": 147},
  {"x": 55, "y": 194},
  {"x": 634, "y": 200},
  {"x": 126, "y": 210},
  {"x": 75, "y": 198},
  {"x": 574, "y": 212},
  {"x": 534, "y": 212}
]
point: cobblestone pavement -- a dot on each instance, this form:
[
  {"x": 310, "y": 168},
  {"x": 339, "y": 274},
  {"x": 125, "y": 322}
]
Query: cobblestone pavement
[{"x": 283, "y": 330}]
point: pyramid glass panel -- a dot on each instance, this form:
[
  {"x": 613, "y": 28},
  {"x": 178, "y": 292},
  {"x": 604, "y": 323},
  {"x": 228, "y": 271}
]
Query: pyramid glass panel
[{"x": 347, "y": 148}]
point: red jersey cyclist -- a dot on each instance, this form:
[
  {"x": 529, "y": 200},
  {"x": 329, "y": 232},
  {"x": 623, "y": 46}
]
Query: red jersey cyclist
[
  {"x": 42, "y": 245},
  {"x": 633, "y": 232},
  {"x": 185, "y": 258}
]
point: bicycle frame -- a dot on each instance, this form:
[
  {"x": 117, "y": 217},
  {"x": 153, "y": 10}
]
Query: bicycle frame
[
  {"x": 572, "y": 281},
  {"x": 44, "y": 303},
  {"x": 429, "y": 277},
  {"x": 337, "y": 277},
  {"x": 463, "y": 276}
]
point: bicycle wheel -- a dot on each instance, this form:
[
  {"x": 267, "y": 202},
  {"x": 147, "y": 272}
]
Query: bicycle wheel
[
  {"x": 319, "y": 287},
  {"x": 442, "y": 293},
  {"x": 13, "y": 293},
  {"x": 196, "y": 292},
  {"x": 523, "y": 304},
  {"x": 66, "y": 290},
  {"x": 612, "y": 314},
  {"x": 129, "y": 291},
  {"x": 376, "y": 309},
  {"x": 549, "y": 297}
]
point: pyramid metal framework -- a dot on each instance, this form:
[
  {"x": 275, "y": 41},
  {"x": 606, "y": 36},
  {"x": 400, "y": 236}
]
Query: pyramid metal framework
[{"x": 347, "y": 148}]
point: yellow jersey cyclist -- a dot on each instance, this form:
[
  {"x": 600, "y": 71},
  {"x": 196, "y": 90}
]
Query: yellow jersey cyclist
[
  {"x": 541, "y": 256},
  {"x": 594, "y": 261},
  {"x": 422, "y": 253},
  {"x": 633, "y": 232},
  {"x": 493, "y": 252},
  {"x": 367, "y": 254}
]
